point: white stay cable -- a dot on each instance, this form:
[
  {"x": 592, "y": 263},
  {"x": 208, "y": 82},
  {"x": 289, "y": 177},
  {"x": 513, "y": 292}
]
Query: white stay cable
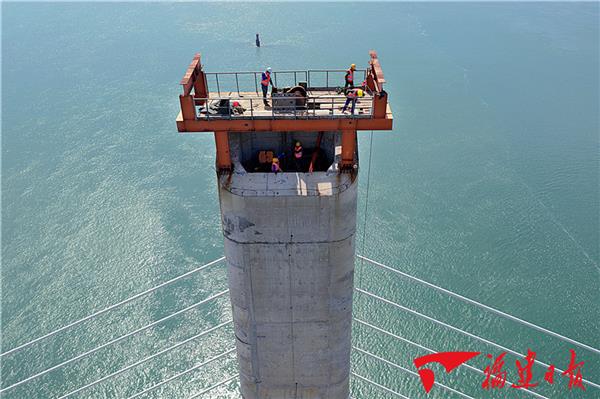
[
  {"x": 124, "y": 369},
  {"x": 468, "y": 334},
  {"x": 113, "y": 341},
  {"x": 364, "y": 352},
  {"x": 365, "y": 379},
  {"x": 178, "y": 375},
  {"x": 483, "y": 306},
  {"x": 116, "y": 305},
  {"x": 210, "y": 388},
  {"x": 392, "y": 335}
]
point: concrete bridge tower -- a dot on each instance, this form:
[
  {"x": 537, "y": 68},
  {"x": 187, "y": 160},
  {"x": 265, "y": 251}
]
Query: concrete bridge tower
[{"x": 289, "y": 236}]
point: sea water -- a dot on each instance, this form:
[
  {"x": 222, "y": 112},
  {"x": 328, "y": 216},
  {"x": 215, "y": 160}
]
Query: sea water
[{"x": 488, "y": 185}]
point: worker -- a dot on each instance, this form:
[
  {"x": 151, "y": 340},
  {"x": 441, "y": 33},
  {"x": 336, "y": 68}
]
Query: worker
[
  {"x": 298, "y": 155},
  {"x": 352, "y": 96},
  {"x": 349, "y": 78},
  {"x": 275, "y": 165},
  {"x": 237, "y": 109},
  {"x": 257, "y": 41},
  {"x": 264, "y": 83}
]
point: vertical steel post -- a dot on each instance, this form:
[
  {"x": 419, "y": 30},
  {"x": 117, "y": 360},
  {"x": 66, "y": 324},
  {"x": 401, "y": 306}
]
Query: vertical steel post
[
  {"x": 223, "y": 156},
  {"x": 332, "y": 108},
  {"x": 188, "y": 108},
  {"x": 348, "y": 148}
]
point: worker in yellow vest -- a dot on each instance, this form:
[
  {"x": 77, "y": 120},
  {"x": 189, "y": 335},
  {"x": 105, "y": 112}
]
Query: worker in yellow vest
[
  {"x": 349, "y": 77},
  {"x": 352, "y": 96},
  {"x": 275, "y": 166}
]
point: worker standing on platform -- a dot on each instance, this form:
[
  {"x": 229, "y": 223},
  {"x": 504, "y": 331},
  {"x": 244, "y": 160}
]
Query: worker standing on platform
[
  {"x": 298, "y": 156},
  {"x": 349, "y": 78},
  {"x": 275, "y": 165},
  {"x": 352, "y": 96},
  {"x": 264, "y": 84}
]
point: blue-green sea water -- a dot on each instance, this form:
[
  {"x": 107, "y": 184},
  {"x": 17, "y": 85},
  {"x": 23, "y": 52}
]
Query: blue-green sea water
[{"x": 488, "y": 185}]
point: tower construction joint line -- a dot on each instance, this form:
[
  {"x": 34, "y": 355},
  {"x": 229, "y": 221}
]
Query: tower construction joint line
[{"x": 289, "y": 236}]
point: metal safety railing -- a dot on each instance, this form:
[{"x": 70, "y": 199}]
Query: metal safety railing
[
  {"x": 311, "y": 107},
  {"x": 366, "y": 352},
  {"x": 249, "y": 81}
]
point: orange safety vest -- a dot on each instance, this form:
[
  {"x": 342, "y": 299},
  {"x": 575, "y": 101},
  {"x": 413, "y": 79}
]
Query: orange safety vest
[
  {"x": 265, "y": 81},
  {"x": 350, "y": 77},
  {"x": 298, "y": 152}
]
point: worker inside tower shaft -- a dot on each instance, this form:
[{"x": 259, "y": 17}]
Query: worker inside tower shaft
[
  {"x": 275, "y": 165},
  {"x": 298, "y": 161}
]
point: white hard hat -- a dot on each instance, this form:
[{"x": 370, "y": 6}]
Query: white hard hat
[{"x": 269, "y": 69}]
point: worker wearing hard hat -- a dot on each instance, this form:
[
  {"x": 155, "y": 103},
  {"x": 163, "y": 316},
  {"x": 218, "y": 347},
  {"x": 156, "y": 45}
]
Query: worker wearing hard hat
[
  {"x": 349, "y": 77},
  {"x": 352, "y": 96},
  {"x": 275, "y": 165},
  {"x": 264, "y": 84},
  {"x": 298, "y": 155}
]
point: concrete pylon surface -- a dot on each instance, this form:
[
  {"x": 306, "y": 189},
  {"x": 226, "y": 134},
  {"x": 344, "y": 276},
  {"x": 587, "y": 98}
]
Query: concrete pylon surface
[{"x": 289, "y": 244}]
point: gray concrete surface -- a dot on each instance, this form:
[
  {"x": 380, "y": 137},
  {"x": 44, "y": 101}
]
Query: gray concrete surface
[{"x": 289, "y": 243}]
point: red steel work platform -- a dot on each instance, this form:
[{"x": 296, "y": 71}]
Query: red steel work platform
[{"x": 305, "y": 100}]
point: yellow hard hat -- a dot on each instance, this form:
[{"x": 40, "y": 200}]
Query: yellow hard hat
[
  {"x": 360, "y": 93},
  {"x": 353, "y": 66},
  {"x": 298, "y": 144},
  {"x": 275, "y": 160}
]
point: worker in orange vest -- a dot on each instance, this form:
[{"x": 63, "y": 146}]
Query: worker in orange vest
[
  {"x": 264, "y": 84},
  {"x": 349, "y": 78}
]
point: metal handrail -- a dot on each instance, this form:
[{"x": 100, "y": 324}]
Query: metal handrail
[
  {"x": 255, "y": 74},
  {"x": 260, "y": 97},
  {"x": 282, "y": 71},
  {"x": 366, "y": 103}
]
